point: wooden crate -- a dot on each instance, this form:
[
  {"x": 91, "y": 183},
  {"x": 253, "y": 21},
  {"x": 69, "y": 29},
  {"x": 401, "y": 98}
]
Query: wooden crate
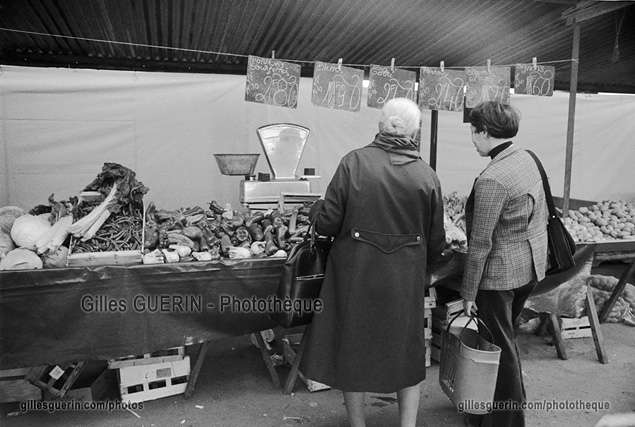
[
  {"x": 435, "y": 347},
  {"x": 89, "y": 259},
  {"x": 149, "y": 382},
  {"x": 427, "y": 325},
  {"x": 448, "y": 310},
  {"x": 55, "y": 380},
  {"x": 290, "y": 343},
  {"x": 428, "y": 353},
  {"x": 576, "y": 328},
  {"x": 14, "y": 387},
  {"x": 168, "y": 355},
  {"x": 430, "y": 298}
]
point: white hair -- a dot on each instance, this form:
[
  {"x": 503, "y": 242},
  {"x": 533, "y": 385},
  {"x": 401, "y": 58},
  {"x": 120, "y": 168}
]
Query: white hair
[{"x": 400, "y": 117}]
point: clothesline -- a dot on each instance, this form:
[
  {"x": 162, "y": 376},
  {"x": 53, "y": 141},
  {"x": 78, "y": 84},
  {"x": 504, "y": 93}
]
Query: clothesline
[{"x": 89, "y": 39}]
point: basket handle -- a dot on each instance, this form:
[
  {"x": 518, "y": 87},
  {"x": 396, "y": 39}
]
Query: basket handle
[{"x": 475, "y": 319}]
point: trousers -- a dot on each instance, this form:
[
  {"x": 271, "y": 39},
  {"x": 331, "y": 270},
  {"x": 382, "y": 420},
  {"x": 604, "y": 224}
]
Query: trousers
[{"x": 500, "y": 311}]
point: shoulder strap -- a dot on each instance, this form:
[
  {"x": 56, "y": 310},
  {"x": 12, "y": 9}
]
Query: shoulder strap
[{"x": 545, "y": 183}]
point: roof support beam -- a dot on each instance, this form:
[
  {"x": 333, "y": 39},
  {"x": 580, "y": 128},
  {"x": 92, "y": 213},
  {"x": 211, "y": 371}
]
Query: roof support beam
[
  {"x": 571, "y": 118},
  {"x": 586, "y": 10}
]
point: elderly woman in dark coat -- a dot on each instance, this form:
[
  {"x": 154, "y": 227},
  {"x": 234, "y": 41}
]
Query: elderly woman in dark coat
[{"x": 384, "y": 206}]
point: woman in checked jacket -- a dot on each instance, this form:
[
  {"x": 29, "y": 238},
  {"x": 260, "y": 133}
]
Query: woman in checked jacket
[{"x": 506, "y": 215}]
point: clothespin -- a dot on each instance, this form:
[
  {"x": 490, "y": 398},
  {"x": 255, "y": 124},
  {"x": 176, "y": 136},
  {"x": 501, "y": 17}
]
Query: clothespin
[
  {"x": 489, "y": 64},
  {"x": 339, "y": 64},
  {"x": 273, "y": 54},
  {"x": 442, "y": 66},
  {"x": 534, "y": 62},
  {"x": 392, "y": 65}
]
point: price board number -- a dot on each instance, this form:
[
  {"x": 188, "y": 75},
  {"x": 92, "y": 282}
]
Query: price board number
[
  {"x": 272, "y": 82},
  {"x": 336, "y": 86},
  {"x": 441, "y": 89},
  {"x": 386, "y": 83},
  {"x": 487, "y": 84},
  {"x": 532, "y": 79}
]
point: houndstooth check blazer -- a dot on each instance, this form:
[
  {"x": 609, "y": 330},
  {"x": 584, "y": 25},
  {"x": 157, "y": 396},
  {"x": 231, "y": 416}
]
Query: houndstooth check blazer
[{"x": 506, "y": 219}]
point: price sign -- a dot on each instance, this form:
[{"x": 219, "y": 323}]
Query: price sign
[
  {"x": 487, "y": 85},
  {"x": 386, "y": 83},
  {"x": 336, "y": 86},
  {"x": 534, "y": 80},
  {"x": 272, "y": 82},
  {"x": 441, "y": 90}
]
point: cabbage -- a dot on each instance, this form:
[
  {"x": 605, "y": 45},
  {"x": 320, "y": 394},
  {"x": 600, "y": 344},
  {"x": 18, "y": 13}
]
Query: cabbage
[
  {"x": 6, "y": 244},
  {"x": 8, "y": 214},
  {"x": 20, "y": 259},
  {"x": 27, "y": 229}
]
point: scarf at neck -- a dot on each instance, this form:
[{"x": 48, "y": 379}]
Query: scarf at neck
[{"x": 402, "y": 149}]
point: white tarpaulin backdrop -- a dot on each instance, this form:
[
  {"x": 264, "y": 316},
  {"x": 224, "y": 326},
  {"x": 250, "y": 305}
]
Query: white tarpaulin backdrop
[{"x": 59, "y": 126}]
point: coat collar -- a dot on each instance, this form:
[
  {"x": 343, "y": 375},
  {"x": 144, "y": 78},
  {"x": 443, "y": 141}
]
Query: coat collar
[{"x": 504, "y": 154}]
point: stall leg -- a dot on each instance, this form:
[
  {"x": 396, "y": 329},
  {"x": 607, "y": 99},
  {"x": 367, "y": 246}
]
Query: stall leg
[
  {"x": 617, "y": 291},
  {"x": 295, "y": 367},
  {"x": 267, "y": 358},
  {"x": 189, "y": 390},
  {"x": 594, "y": 321},
  {"x": 554, "y": 323}
]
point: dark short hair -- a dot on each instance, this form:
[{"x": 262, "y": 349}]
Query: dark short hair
[{"x": 497, "y": 119}]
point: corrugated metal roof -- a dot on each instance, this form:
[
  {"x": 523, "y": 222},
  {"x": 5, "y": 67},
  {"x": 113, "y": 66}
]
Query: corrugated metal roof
[{"x": 216, "y": 36}]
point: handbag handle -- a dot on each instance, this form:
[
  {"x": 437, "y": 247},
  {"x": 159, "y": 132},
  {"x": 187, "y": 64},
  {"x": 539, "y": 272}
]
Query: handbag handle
[
  {"x": 545, "y": 184},
  {"x": 475, "y": 319}
]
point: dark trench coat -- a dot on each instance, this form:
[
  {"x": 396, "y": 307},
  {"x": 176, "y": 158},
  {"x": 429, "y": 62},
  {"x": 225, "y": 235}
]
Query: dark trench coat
[{"x": 387, "y": 216}]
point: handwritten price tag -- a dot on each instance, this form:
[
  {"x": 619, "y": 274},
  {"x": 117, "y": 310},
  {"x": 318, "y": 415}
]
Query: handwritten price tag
[
  {"x": 272, "y": 82},
  {"x": 337, "y": 87},
  {"x": 534, "y": 80},
  {"x": 441, "y": 90},
  {"x": 386, "y": 84},
  {"x": 487, "y": 85}
]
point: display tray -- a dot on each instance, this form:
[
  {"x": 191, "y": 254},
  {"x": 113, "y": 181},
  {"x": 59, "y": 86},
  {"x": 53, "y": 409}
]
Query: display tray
[{"x": 108, "y": 257}]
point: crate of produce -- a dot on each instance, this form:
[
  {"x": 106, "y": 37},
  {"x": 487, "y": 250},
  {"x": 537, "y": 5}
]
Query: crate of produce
[
  {"x": 14, "y": 386},
  {"x": 168, "y": 355},
  {"x": 109, "y": 225},
  {"x": 150, "y": 382},
  {"x": 290, "y": 344}
]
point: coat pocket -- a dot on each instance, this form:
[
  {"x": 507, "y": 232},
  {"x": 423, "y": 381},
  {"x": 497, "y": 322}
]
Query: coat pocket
[{"x": 387, "y": 243}]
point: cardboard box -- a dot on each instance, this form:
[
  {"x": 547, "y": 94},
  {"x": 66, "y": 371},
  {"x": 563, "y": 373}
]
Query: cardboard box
[
  {"x": 150, "y": 382},
  {"x": 101, "y": 388},
  {"x": 289, "y": 344}
]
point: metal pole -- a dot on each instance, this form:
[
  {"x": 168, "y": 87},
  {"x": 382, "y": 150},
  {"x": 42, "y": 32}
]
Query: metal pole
[
  {"x": 571, "y": 119},
  {"x": 434, "y": 128}
]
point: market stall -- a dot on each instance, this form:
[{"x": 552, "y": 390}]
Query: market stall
[{"x": 95, "y": 313}]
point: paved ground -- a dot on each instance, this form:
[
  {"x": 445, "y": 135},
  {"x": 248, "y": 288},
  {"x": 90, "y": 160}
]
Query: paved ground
[{"x": 234, "y": 389}]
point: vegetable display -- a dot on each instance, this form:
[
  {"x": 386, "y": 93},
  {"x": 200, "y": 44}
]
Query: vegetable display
[
  {"x": 187, "y": 234},
  {"x": 114, "y": 221},
  {"x": 454, "y": 221},
  {"x": 606, "y": 220}
]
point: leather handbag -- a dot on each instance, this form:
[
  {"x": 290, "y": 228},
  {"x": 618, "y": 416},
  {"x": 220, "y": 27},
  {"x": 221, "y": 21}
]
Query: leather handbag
[
  {"x": 301, "y": 280},
  {"x": 561, "y": 244}
]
